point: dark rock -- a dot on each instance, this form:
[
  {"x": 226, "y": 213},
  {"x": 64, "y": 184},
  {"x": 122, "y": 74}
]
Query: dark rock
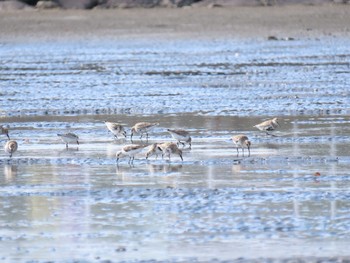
[
  {"x": 223, "y": 3},
  {"x": 13, "y": 5},
  {"x": 29, "y": 2},
  {"x": 272, "y": 38},
  {"x": 146, "y": 3},
  {"x": 181, "y": 3},
  {"x": 46, "y": 5},
  {"x": 130, "y": 3},
  {"x": 77, "y": 4}
]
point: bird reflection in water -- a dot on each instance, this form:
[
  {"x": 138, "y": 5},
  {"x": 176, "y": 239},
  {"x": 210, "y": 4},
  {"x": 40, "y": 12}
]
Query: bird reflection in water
[{"x": 10, "y": 172}]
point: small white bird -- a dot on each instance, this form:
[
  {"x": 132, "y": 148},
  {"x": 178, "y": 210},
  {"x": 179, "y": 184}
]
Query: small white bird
[
  {"x": 69, "y": 138},
  {"x": 10, "y": 147},
  {"x": 154, "y": 149},
  {"x": 181, "y": 136},
  {"x": 115, "y": 128},
  {"x": 169, "y": 148},
  {"x": 241, "y": 141},
  {"x": 143, "y": 128},
  {"x": 269, "y": 125},
  {"x": 5, "y": 131},
  {"x": 130, "y": 150}
]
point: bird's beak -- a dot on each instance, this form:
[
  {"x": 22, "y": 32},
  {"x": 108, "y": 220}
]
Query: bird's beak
[{"x": 181, "y": 157}]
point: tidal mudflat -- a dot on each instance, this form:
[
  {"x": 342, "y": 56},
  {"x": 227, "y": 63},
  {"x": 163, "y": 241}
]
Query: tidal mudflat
[{"x": 288, "y": 200}]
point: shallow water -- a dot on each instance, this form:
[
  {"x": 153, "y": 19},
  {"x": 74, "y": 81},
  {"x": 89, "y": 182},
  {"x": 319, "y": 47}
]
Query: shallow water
[{"x": 79, "y": 204}]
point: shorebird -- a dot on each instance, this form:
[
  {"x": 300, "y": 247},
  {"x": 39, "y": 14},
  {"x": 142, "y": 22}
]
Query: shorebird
[
  {"x": 241, "y": 141},
  {"x": 269, "y": 125},
  {"x": 181, "y": 136},
  {"x": 10, "y": 147},
  {"x": 68, "y": 138},
  {"x": 5, "y": 131},
  {"x": 154, "y": 149},
  {"x": 115, "y": 128},
  {"x": 169, "y": 148},
  {"x": 142, "y": 128},
  {"x": 130, "y": 150}
]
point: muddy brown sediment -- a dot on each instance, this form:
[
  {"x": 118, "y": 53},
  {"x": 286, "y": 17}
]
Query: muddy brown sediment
[{"x": 286, "y": 22}]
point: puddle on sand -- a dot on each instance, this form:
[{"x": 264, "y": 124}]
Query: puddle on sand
[{"x": 78, "y": 204}]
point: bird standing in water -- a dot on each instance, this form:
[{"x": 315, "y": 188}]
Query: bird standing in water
[
  {"x": 130, "y": 150},
  {"x": 181, "y": 136},
  {"x": 169, "y": 148},
  {"x": 143, "y": 128},
  {"x": 115, "y": 128},
  {"x": 10, "y": 147},
  {"x": 269, "y": 125},
  {"x": 5, "y": 131},
  {"x": 69, "y": 138},
  {"x": 241, "y": 141}
]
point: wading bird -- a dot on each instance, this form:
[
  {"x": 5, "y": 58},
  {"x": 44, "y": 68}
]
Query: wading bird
[{"x": 241, "y": 141}]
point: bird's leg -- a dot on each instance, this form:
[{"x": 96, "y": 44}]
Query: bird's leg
[
  {"x": 242, "y": 150},
  {"x": 237, "y": 151},
  {"x": 181, "y": 157}
]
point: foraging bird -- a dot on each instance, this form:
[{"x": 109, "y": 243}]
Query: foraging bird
[
  {"x": 269, "y": 125},
  {"x": 241, "y": 141},
  {"x": 169, "y": 148},
  {"x": 10, "y": 147},
  {"x": 115, "y": 128},
  {"x": 5, "y": 131},
  {"x": 181, "y": 136},
  {"x": 143, "y": 128},
  {"x": 130, "y": 150},
  {"x": 69, "y": 138},
  {"x": 154, "y": 149}
]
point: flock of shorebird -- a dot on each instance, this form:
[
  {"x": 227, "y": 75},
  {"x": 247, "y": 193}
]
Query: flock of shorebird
[{"x": 143, "y": 129}]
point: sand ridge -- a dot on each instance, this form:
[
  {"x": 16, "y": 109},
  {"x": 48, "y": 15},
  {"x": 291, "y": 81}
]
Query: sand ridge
[{"x": 235, "y": 22}]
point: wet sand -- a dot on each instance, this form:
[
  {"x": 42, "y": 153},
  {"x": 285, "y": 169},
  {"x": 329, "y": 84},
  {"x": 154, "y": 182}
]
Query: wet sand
[
  {"x": 297, "y": 21},
  {"x": 214, "y": 74}
]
